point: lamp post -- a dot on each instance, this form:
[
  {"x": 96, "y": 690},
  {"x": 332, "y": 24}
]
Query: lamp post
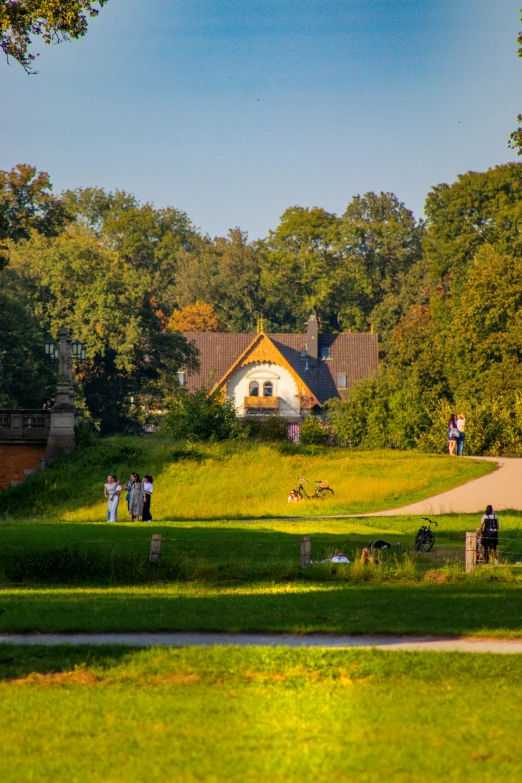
[
  {"x": 79, "y": 351},
  {"x": 63, "y": 353},
  {"x": 61, "y": 436},
  {"x": 51, "y": 350}
]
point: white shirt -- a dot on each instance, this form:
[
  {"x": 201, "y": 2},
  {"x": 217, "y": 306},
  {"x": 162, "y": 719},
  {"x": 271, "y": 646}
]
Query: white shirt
[
  {"x": 113, "y": 489},
  {"x": 461, "y": 425},
  {"x": 148, "y": 488}
]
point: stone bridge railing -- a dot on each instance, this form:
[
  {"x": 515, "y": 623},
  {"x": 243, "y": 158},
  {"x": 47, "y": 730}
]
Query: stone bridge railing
[{"x": 24, "y": 426}]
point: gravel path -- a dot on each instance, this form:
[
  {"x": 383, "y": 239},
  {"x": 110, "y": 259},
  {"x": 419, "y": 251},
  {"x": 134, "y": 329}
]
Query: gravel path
[
  {"x": 503, "y": 489},
  {"x": 326, "y": 641}
]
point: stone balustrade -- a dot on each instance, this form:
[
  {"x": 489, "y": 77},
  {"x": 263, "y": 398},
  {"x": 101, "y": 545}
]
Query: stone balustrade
[{"x": 24, "y": 426}]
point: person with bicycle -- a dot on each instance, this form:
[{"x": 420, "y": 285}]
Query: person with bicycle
[{"x": 489, "y": 528}]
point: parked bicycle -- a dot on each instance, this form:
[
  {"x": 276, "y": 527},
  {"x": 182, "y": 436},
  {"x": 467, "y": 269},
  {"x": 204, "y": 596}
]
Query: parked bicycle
[
  {"x": 322, "y": 490},
  {"x": 425, "y": 537}
]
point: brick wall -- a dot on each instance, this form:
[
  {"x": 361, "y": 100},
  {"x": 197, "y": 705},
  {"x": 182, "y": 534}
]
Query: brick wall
[{"x": 15, "y": 459}]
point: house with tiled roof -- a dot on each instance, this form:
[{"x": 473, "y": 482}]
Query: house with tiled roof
[{"x": 289, "y": 375}]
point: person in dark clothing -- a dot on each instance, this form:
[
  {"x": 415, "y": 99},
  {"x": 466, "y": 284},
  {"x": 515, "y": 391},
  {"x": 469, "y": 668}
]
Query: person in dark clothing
[
  {"x": 453, "y": 435},
  {"x": 148, "y": 490},
  {"x": 489, "y": 532}
]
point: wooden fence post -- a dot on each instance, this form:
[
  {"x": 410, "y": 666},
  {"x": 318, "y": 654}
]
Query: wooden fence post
[
  {"x": 306, "y": 549},
  {"x": 470, "y": 552},
  {"x": 155, "y": 548}
]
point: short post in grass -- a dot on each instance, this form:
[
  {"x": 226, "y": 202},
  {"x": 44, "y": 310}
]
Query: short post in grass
[
  {"x": 155, "y": 548},
  {"x": 470, "y": 552},
  {"x": 306, "y": 550}
]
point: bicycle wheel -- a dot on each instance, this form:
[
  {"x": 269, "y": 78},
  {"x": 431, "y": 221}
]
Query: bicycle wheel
[
  {"x": 324, "y": 492},
  {"x": 427, "y": 541}
]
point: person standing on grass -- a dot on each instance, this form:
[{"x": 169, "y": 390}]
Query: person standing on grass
[
  {"x": 489, "y": 528},
  {"x": 112, "y": 491},
  {"x": 137, "y": 497},
  {"x": 453, "y": 435},
  {"x": 461, "y": 426},
  {"x": 148, "y": 490}
]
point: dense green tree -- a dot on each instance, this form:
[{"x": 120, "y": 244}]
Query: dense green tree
[
  {"x": 479, "y": 208},
  {"x": 485, "y": 334},
  {"x": 302, "y": 267},
  {"x": 26, "y": 376},
  {"x": 381, "y": 243},
  {"x": 52, "y": 20},
  {"x": 76, "y": 280},
  {"x": 224, "y": 273},
  {"x": 148, "y": 239},
  {"x": 27, "y": 203}
]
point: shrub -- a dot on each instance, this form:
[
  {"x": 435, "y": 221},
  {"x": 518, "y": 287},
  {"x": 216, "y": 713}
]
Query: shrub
[
  {"x": 271, "y": 430},
  {"x": 199, "y": 416},
  {"x": 314, "y": 433}
]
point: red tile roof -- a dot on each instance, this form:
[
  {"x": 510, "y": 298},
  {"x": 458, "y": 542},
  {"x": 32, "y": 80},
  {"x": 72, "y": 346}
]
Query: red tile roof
[{"x": 354, "y": 355}]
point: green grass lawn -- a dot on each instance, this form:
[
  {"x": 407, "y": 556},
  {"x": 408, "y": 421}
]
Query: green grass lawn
[
  {"x": 246, "y": 576},
  {"x": 471, "y": 608},
  {"x": 78, "y": 714},
  {"x": 33, "y": 551},
  {"x": 235, "y": 480}
]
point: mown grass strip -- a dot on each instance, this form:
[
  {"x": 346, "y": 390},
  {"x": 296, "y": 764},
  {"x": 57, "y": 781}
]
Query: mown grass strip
[{"x": 251, "y": 714}]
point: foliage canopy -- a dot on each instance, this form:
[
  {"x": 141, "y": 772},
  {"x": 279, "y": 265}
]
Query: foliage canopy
[{"x": 53, "y": 21}]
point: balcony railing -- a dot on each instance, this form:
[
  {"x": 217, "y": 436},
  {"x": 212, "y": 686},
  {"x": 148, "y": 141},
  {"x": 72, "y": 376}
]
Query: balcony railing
[
  {"x": 266, "y": 403},
  {"x": 27, "y": 425}
]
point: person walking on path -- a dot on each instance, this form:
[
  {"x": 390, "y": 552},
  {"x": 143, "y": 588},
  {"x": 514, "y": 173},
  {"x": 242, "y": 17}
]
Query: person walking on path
[
  {"x": 489, "y": 528},
  {"x": 137, "y": 497},
  {"x": 112, "y": 491},
  {"x": 461, "y": 426},
  {"x": 148, "y": 490},
  {"x": 453, "y": 435}
]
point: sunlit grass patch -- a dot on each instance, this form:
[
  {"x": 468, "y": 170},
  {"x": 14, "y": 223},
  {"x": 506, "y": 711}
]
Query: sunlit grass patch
[
  {"x": 236, "y": 480},
  {"x": 234, "y": 714}
]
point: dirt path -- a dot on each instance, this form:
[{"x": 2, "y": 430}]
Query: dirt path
[
  {"x": 326, "y": 641},
  {"x": 503, "y": 489}
]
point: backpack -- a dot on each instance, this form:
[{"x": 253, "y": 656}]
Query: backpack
[{"x": 490, "y": 524}]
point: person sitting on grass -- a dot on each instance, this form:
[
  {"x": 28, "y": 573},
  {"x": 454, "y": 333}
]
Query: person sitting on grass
[
  {"x": 489, "y": 528},
  {"x": 294, "y": 496}
]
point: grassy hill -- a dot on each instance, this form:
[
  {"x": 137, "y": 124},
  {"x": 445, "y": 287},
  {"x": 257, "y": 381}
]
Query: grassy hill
[{"x": 233, "y": 480}]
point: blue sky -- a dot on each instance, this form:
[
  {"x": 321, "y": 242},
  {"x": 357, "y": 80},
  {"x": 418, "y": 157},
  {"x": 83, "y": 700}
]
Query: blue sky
[{"x": 235, "y": 110}]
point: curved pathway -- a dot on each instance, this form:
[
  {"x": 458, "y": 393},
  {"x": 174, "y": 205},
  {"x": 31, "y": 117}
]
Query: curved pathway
[
  {"x": 325, "y": 641},
  {"x": 502, "y": 489}
]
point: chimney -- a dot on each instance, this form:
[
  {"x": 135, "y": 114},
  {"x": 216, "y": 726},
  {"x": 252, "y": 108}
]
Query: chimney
[{"x": 312, "y": 339}]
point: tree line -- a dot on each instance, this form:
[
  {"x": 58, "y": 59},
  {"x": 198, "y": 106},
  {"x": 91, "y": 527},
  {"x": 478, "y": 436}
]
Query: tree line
[{"x": 443, "y": 293}]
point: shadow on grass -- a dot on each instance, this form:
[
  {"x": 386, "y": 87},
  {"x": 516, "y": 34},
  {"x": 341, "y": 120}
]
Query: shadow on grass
[
  {"x": 64, "y": 553},
  {"x": 417, "y": 608}
]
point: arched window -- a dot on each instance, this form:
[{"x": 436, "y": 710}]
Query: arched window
[
  {"x": 268, "y": 388},
  {"x": 253, "y": 389}
]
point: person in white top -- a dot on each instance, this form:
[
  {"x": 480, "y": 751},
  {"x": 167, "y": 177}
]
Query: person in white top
[
  {"x": 112, "y": 491},
  {"x": 148, "y": 489},
  {"x": 461, "y": 426}
]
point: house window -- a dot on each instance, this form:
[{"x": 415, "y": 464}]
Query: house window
[
  {"x": 268, "y": 388},
  {"x": 325, "y": 352},
  {"x": 181, "y": 378},
  {"x": 341, "y": 381},
  {"x": 253, "y": 389}
]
